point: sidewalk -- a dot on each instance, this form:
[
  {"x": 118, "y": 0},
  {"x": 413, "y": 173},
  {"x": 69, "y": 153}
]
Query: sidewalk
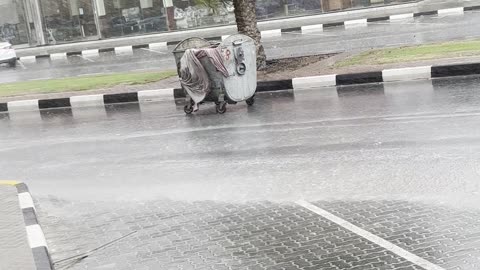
[
  {"x": 15, "y": 253},
  {"x": 280, "y": 25}
]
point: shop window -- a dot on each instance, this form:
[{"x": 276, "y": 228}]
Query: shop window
[{"x": 13, "y": 25}]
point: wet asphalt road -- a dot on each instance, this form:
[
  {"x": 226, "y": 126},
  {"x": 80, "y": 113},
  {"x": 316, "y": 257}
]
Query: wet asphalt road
[
  {"x": 209, "y": 191},
  {"x": 394, "y": 140},
  {"x": 420, "y": 30}
]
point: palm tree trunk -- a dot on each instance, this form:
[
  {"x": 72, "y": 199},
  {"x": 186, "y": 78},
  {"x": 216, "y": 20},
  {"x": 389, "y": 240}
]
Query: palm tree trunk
[{"x": 246, "y": 19}]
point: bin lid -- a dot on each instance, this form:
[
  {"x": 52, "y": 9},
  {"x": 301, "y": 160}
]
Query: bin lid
[{"x": 191, "y": 43}]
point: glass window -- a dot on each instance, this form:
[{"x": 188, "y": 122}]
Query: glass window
[
  {"x": 55, "y": 21},
  {"x": 130, "y": 17},
  {"x": 13, "y": 25},
  {"x": 201, "y": 13},
  {"x": 68, "y": 20}
]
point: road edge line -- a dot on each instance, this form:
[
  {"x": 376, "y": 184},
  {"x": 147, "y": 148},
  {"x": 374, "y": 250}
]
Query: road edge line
[{"x": 369, "y": 236}]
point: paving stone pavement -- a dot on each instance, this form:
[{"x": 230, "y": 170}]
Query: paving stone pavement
[
  {"x": 446, "y": 236},
  {"x": 15, "y": 253},
  {"x": 205, "y": 235}
]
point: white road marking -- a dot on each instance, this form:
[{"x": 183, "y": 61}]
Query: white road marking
[
  {"x": 370, "y": 237},
  {"x": 154, "y": 51},
  {"x": 83, "y": 57}
]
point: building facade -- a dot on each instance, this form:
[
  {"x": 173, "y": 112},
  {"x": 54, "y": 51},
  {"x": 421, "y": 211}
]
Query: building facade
[{"x": 42, "y": 22}]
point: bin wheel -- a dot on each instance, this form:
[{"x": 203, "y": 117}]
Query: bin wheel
[
  {"x": 13, "y": 63},
  {"x": 189, "y": 106},
  {"x": 250, "y": 101},
  {"x": 221, "y": 107},
  {"x": 188, "y": 109}
]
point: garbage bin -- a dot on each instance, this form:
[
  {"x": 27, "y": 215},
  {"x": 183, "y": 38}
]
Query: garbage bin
[{"x": 229, "y": 67}]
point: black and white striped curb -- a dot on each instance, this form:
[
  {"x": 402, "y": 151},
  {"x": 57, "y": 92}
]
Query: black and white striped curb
[
  {"x": 163, "y": 46},
  {"x": 121, "y": 50},
  {"x": 386, "y": 75},
  {"x": 36, "y": 238},
  {"x": 87, "y": 100},
  {"x": 364, "y": 22}
]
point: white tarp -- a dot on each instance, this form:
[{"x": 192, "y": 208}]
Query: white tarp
[{"x": 193, "y": 76}]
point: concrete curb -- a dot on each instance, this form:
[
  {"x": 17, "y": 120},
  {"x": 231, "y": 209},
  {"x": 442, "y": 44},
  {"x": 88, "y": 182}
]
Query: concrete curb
[
  {"x": 363, "y": 22},
  {"x": 35, "y": 236},
  {"x": 386, "y": 75},
  {"x": 87, "y": 100}
]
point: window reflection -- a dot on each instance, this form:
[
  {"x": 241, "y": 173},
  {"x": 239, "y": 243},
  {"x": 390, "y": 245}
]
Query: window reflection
[{"x": 39, "y": 22}]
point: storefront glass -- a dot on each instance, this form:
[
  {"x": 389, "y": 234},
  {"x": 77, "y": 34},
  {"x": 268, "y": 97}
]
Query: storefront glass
[
  {"x": 68, "y": 20},
  {"x": 201, "y": 13},
  {"x": 268, "y": 9},
  {"x": 129, "y": 17},
  {"x": 13, "y": 24},
  {"x": 40, "y": 22}
]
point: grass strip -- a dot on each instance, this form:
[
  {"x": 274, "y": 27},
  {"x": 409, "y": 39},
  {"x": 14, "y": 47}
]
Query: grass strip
[{"x": 82, "y": 83}]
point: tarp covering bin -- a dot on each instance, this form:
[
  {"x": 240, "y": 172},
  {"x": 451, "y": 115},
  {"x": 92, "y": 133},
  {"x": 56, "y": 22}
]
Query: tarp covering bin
[{"x": 217, "y": 72}]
